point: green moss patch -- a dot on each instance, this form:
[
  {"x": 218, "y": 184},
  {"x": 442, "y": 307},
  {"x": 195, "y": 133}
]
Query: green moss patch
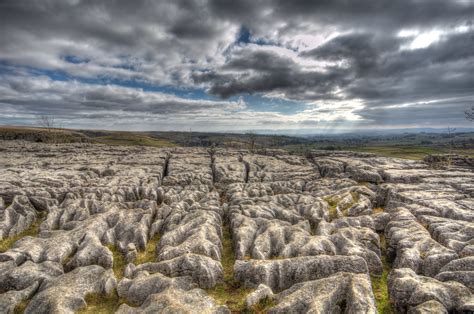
[
  {"x": 119, "y": 261},
  {"x": 20, "y": 307},
  {"x": 132, "y": 139},
  {"x": 149, "y": 254},
  {"x": 263, "y": 306},
  {"x": 379, "y": 283},
  {"x": 332, "y": 202}
]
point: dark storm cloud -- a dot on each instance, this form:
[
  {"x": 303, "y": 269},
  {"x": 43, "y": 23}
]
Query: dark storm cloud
[
  {"x": 373, "y": 67},
  {"x": 361, "y": 50},
  {"x": 263, "y": 71},
  {"x": 41, "y": 95}
]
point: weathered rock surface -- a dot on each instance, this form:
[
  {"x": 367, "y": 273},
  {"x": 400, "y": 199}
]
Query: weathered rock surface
[
  {"x": 282, "y": 274},
  {"x": 11, "y": 299},
  {"x": 136, "y": 290},
  {"x": 258, "y": 295},
  {"x": 408, "y": 290},
  {"x": 412, "y": 245},
  {"x": 306, "y": 232},
  {"x": 342, "y": 292},
  {"x": 66, "y": 293},
  {"x": 177, "y": 301},
  {"x": 204, "y": 271}
]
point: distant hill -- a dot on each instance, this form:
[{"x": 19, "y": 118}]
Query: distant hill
[{"x": 414, "y": 145}]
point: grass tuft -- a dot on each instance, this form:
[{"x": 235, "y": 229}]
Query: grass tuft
[
  {"x": 119, "y": 261},
  {"x": 149, "y": 254},
  {"x": 377, "y": 210},
  {"x": 20, "y": 307},
  {"x": 101, "y": 304},
  {"x": 332, "y": 207},
  {"x": 379, "y": 283},
  {"x": 263, "y": 306}
]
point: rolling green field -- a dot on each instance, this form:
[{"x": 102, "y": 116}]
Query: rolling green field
[{"x": 132, "y": 139}]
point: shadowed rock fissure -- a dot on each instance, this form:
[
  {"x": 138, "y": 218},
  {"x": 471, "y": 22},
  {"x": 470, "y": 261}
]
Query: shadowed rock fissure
[
  {"x": 165, "y": 168},
  {"x": 379, "y": 283},
  {"x": 247, "y": 169},
  {"x": 229, "y": 292}
]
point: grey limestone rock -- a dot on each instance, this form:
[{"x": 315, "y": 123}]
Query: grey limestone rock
[
  {"x": 283, "y": 273},
  {"x": 412, "y": 246},
  {"x": 303, "y": 228},
  {"x": 204, "y": 271},
  {"x": 173, "y": 300},
  {"x": 9, "y": 300},
  {"x": 340, "y": 293},
  {"x": 136, "y": 290},
  {"x": 17, "y": 217},
  {"x": 262, "y": 292},
  {"x": 407, "y": 289},
  {"x": 66, "y": 293}
]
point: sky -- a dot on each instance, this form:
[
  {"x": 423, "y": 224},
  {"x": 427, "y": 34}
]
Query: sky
[{"x": 228, "y": 65}]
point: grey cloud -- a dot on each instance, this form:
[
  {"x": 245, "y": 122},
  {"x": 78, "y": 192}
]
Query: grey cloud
[
  {"x": 377, "y": 68},
  {"x": 162, "y": 39},
  {"x": 363, "y": 14},
  {"x": 362, "y": 50},
  {"x": 264, "y": 71},
  {"x": 41, "y": 95},
  {"x": 447, "y": 112},
  {"x": 193, "y": 44}
]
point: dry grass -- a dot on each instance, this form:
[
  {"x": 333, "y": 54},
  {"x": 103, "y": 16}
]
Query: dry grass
[
  {"x": 149, "y": 254},
  {"x": 262, "y": 307},
  {"x": 101, "y": 304},
  {"x": 406, "y": 152},
  {"x": 20, "y": 307},
  {"x": 377, "y": 210},
  {"x": 43, "y": 134},
  {"x": 119, "y": 261}
]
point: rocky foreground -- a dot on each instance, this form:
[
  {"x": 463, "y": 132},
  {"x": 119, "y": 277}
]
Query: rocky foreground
[{"x": 209, "y": 231}]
